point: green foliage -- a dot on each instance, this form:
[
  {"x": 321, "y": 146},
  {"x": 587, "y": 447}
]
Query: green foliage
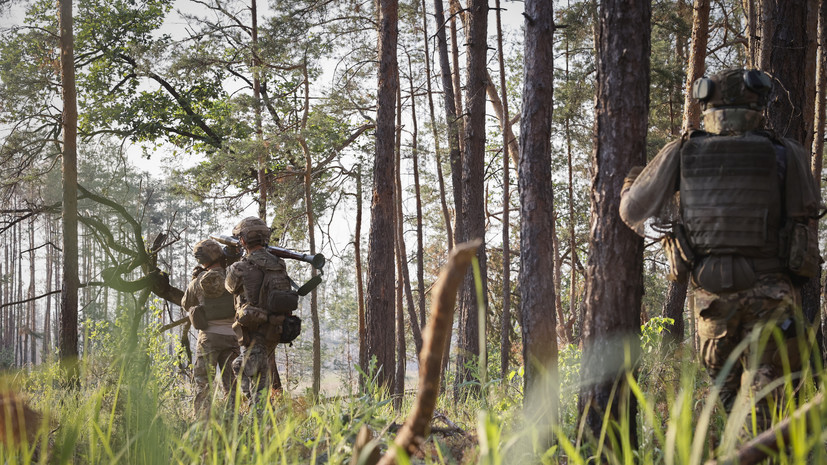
[{"x": 651, "y": 333}]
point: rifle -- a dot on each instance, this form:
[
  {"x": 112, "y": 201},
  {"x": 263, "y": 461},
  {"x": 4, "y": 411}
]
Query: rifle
[{"x": 317, "y": 261}]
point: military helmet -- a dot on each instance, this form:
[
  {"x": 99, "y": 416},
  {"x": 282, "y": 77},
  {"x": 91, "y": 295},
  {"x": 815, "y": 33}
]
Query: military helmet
[
  {"x": 207, "y": 251},
  {"x": 252, "y": 228},
  {"x": 744, "y": 88}
]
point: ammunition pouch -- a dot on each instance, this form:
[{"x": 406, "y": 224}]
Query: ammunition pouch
[
  {"x": 282, "y": 302},
  {"x": 251, "y": 317},
  {"x": 273, "y": 331},
  {"x": 678, "y": 253},
  {"x": 800, "y": 241},
  {"x": 290, "y": 329},
  {"x": 724, "y": 273},
  {"x": 198, "y": 317}
]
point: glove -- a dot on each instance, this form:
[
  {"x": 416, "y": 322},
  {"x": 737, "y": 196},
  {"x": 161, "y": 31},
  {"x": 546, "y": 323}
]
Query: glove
[{"x": 631, "y": 177}]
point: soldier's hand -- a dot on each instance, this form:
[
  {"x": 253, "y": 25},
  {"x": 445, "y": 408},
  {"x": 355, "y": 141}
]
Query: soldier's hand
[{"x": 631, "y": 177}]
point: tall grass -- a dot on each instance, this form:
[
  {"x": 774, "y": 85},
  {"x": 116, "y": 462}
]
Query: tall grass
[{"x": 136, "y": 408}]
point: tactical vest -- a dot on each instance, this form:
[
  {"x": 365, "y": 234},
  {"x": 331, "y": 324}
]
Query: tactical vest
[
  {"x": 266, "y": 283},
  {"x": 730, "y": 195},
  {"x": 219, "y": 308},
  {"x": 215, "y": 300}
]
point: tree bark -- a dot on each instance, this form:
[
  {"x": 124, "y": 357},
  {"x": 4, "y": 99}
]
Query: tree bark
[
  {"x": 449, "y": 230},
  {"x": 379, "y": 311},
  {"x": 454, "y": 156},
  {"x": 696, "y": 67},
  {"x": 69, "y": 297},
  {"x": 790, "y": 111},
  {"x": 473, "y": 202},
  {"x": 613, "y": 293},
  {"x": 360, "y": 290},
  {"x": 505, "y": 323},
  {"x": 536, "y": 215},
  {"x": 821, "y": 104}
]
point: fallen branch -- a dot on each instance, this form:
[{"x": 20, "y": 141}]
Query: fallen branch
[
  {"x": 435, "y": 337},
  {"x": 175, "y": 323},
  {"x": 770, "y": 441}
]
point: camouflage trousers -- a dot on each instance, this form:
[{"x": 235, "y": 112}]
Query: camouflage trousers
[
  {"x": 213, "y": 350},
  {"x": 256, "y": 367},
  {"x": 770, "y": 308}
]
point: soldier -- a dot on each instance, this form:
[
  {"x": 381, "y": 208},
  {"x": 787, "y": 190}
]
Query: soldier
[
  {"x": 741, "y": 225},
  {"x": 211, "y": 311},
  {"x": 263, "y": 298}
]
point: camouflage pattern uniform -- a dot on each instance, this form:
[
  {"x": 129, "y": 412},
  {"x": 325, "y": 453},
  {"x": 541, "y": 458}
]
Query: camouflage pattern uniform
[
  {"x": 740, "y": 271},
  {"x": 256, "y": 328},
  {"x": 216, "y": 344}
]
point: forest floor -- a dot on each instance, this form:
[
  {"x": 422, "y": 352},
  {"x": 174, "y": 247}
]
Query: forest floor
[{"x": 136, "y": 408}]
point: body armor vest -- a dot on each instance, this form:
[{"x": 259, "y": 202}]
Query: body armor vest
[
  {"x": 730, "y": 195},
  {"x": 219, "y": 308}
]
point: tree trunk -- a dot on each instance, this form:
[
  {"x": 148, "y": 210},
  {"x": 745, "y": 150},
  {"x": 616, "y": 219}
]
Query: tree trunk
[
  {"x": 420, "y": 258},
  {"x": 821, "y": 102},
  {"x": 505, "y": 323},
  {"x": 696, "y": 67},
  {"x": 449, "y": 231},
  {"x": 536, "y": 215},
  {"x": 790, "y": 111},
  {"x": 613, "y": 293},
  {"x": 404, "y": 276},
  {"x": 473, "y": 189},
  {"x": 360, "y": 290},
  {"x": 454, "y": 156},
  {"x": 399, "y": 244},
  {"x": 69, "y": 296},
  {"x": 379, "y": 311},
  {"x": 311, "y": 237}
]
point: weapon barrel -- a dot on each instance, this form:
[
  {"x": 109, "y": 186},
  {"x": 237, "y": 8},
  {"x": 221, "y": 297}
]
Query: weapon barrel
[
  {"x": 227, "y": 240},
  {"x": 317, "y": 261}
]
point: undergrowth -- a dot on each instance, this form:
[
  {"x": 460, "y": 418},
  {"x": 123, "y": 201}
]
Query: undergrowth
[{"x": 136, "y": 408}]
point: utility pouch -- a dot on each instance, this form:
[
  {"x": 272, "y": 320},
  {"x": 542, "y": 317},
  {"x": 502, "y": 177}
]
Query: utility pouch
[
  {"x": 198, "y": 318},
  {"x": 282, "y": 302},
  {"x": 290, "y": 329},
  {"x": 679, "y": 253},
  {"x": 803, "y": 258},
  {"x": 251, "y": 317},
  {"x": 272, "y": 334}
]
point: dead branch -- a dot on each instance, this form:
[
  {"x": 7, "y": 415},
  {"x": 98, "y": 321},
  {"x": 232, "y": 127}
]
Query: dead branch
[
  {"x": 175, "y": 323},
  {"x": 435, "y": 336},
  {"x": 770, "y": 441}
]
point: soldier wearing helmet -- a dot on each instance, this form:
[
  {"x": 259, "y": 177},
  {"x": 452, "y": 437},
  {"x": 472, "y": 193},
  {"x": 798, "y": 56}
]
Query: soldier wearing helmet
[
  {"x": 736, "y": 204},
  {"x": 210, "y": 308},
  {"x": 263, "y": 298}
]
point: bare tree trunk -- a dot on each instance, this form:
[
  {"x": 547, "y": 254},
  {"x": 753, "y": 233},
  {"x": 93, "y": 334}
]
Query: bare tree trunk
[
  {"x": 379, "y": 312},
  {"x": 399, "y": 243},
  {"x": 31, "y": 295},
  {"x": 790, "y": 111},
  {"x": 455, "y": 156},
  {"x": 614, "y": 293},
  {"x": 696, "y": 67},
  {"x": 69, "y": 296},
  {"x": 505, "y": 323},
  {"x": 473, "y": 202},
  {"x": 572, "y": 221},
  {"x": 536, "y": 217},
  {"x": 449, "y": 230},
  {"x": 420, "y": 259},
  {"x": 818, "y": 129},
  {"x": 263, "y": 182},
  {"x": 404, "y": 278},
  {"x": 360, "y": 290},
  {"x": 311, "y": 237}
]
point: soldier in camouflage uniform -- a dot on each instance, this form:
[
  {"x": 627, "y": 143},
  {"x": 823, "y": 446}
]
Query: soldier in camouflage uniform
[
  {"x": 211, "y": 311},
  {"x": 742, "y": 225},
  {"x": 263, "y": 298}
]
